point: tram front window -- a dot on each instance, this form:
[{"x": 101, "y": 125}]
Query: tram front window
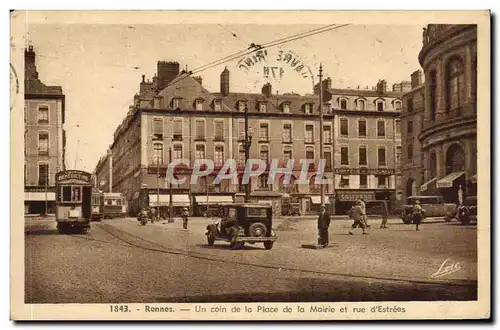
[{"x": 71, "y": 194}]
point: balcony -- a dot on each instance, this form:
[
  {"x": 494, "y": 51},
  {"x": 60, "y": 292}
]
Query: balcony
[
  {"x": 219, "y": 139},
  {"x": 455, "y": 115},
  {"x": 43, "y": 152},
  {"x": 177, "y": 137}
]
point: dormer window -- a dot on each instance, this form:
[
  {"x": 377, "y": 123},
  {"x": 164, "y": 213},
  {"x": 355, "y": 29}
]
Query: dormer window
[
  {"x": 327, "y": 108},
  {"x": 217, "y": 105},
  {"x": 198, "y": 103},
  {"x": 285, "y": 107},
  {"x": 242, "y": 105},
  {"x": 380, "y": 105},
  {"x": 397, "y": 105},
  {"x": 176, "y": 102},
  {"x": 263, "y": 106},
  {"x": 308, "y": 108},
  {"x": 343, "y": 104}
]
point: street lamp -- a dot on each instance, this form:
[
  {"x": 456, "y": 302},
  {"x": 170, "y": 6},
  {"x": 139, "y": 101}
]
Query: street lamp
[
  {"x": 322, "y": 190},
  {"x": 248, "y": 143},
  {"x": 170, "y": 220}
]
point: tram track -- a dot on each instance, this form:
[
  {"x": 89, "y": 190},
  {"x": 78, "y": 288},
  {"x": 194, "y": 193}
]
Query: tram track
[{"x": 136, "y": 241}]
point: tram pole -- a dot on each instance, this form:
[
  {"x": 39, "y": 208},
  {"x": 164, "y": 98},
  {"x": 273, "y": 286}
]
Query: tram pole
[
  {"x": 170, "y": 188},
  {"x": 322, "y": 190},
  {"x": 248, "y": 142},
  {"x": 158, "y": 186},
  {"x": 47, "y": 176}
]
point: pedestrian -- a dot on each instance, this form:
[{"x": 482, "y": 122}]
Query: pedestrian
[
  {"x": 184, "y": 218},
  {"x": 323, "y": 224},
  {"x": 417, "y": 214},
  {"x": 385, "y": 214},
  {"x": 153, "y": 214},
  {"x": 357, "y": 215},
  {"x": 364, "y": 218}
]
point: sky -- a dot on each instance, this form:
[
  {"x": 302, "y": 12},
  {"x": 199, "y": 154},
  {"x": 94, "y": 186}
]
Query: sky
[{"x": 99, "y": 66}]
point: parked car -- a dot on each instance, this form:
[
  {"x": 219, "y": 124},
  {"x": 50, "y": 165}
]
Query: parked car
[
  {"x": 467, "y": 212},
  {"x": 243, "y": 223},
  {"x": 434, "y": 206}
]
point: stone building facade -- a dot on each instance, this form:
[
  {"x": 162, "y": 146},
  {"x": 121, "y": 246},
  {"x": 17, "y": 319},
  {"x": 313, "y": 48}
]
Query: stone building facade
[
  {"x": 44, "y": 138},
  {"x": 448, "y": 137}
]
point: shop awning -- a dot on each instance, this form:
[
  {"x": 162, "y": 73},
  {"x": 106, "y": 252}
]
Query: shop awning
[
  {"x": 30, "y": 196},
  {"x": 177, "y": 200},
  {"x": 202, "y": 200},
  {"x": 447, "y": 181},
  {"x": 426, "y": 185},
  {"x": 317, "y": 199}
]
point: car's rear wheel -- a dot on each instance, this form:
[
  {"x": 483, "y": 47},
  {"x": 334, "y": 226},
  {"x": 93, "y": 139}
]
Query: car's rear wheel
[
  {"x": 257, "y": 229},
  {"x": 268, "y": 245}
]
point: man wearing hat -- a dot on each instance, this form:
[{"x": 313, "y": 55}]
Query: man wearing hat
[
  {"x": 323, "y": 224},
  {"x": 356, "y": 214}
]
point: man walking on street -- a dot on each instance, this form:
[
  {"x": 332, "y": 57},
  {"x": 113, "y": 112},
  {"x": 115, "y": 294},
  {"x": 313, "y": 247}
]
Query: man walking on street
[
  {"x": 323, "y": 224},
  {"x": 417, "y": 214},
  {"x": 385, "y": 214},
  {"x": 364, "y": 218},
  {"x": 356, "y": 215}
]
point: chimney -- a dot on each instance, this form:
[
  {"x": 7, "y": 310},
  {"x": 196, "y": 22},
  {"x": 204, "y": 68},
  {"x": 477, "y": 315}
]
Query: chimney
[
  {"x": 327, "y": 84},
  {"x": 224, "y": 82},
  {"x": 167, "y": 71},
  {"x": 416, "y": 79},
  {"x": 199, "y": 80},
  {"x": 396, "y": 88},
  {"x": 29, "y": 64},
  {"x": 267, "y": 90},
  {"x": 144, "y": 86},
  {"x": 382, "y": 86},
  {"x": 405, "y": 86}
]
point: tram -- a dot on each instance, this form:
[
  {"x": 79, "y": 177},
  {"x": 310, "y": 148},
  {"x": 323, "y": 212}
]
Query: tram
[
  {"x": 73, "y": 201},
  {"x": 97, "y": 205},
  {"x": 113, "y": 206}
]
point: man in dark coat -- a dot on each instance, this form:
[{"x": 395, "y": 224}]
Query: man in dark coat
[{"x": 323, "y": 224}]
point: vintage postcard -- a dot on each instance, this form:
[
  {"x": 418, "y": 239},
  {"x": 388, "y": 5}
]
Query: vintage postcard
[{"x": 225, "y": 165}]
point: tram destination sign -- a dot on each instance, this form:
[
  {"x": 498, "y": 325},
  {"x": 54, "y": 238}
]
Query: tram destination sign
[{"x": 73, "y": 176}]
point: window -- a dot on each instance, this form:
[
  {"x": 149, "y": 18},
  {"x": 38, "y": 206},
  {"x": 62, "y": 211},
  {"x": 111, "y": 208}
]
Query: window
[
  {"x": 398, "y": 156},
  {"x": 287, "y": 133},
  {"x": 410, "y": 127},
  {"x": 308, "y": 108},
  {"x": 263, "y": 178},
  {"x": 200, "y": 151},
  {"x": 200, "y": 130},
  {"x": 43, "y": 174},
  {"x": 287, "y": 154},
  {"x": 217, "y": 105},
  {"x": 382, "y": 181},
  {"x": 361, "y": 104},
  {"x": 380, "y": 106},
  {"x": 344, "y": 127},
  {"x": 264, "y": 132},
  {"x": 343, "y": 104},
  {"x": 264, "y": 153},
  {"x": 219, "y": 155},
  {"x": 381, "y": 157},
  {"x": 410, "y": 151},
  {"x": 398, "y": 126},
  {"x": 327, "y": 134},
  {"x": 199, "y": 104},
  {"x": 177, "y": 129},
  {"x": 176, "y": 103},
  {"x": 362, "y": 128},
  {"x": 432, "y": 165},
  {"x": 43, "y": 114},
  {"x": 363, "y": 159},
  {"x": 433, "y": 94},
  {"x": 409, "y": 104},
  {"x": 309, "y": 153},
  {"x": 263, "y": 107},
  {"x": 363, "y": 181},
  {"x": 344, "y": 156},
  {"x": 344, "y": 181},
  {"x": 43, "y": 144},
  {"x": 327, "y": 154},
  {"x": 241, "y": 130},
  {"x": 309, "y": 134},
  {"x": 219, "y": 131},
  {"x": 157, "y": 128},
  {"x": 381, "y": 128},
  {"x": 177, "y": 151},
  {"x": 286, "y": 108},
  {"x": 157, "y": 153},
  {"x": 397, "y": 105},
  {"x": 241, "y": 106},
  {"x": 71, "y": 194},
  {"x": 455, "y": 84},
  {"x": 241, "y": 156}
]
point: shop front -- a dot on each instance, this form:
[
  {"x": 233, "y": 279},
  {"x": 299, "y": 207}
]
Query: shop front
[
  {"x": 179, "y": 201},
  {"x": 39, "y": 201},
  {"x": 211, "y": 202},
  {"x": 345, "y": 199},
  {"x": 451, "y": 186},
  {"x": 315, "y": 205}
]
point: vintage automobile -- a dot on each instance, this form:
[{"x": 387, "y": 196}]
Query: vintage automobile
[
  {"x": 434, "y": 207},
  {"x": 243, "y": 223},
  {"x": 468, "y": 211}
]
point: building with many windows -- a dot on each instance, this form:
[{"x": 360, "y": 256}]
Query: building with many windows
[
  {"x": 448, "y": 135},
  {"x": 44, "y": 136},
  {"x": 367, "y": 139}
]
